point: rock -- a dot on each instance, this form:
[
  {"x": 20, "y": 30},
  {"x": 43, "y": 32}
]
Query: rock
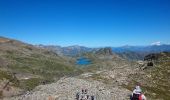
[{"x": 66, "y": 89}]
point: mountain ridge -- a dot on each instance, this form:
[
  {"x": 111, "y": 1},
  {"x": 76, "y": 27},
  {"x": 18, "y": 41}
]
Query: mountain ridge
[
  {"x": 137, "y": 52},
  {"x": 38, "y": 70}
]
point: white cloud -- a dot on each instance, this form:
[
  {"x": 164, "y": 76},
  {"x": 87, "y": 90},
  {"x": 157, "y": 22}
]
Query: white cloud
[{"x": 156, "y": 43}]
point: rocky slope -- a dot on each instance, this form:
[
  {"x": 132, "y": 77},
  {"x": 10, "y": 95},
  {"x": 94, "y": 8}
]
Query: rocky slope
[
  {"x": 66, "y": 89},
  {"x": 154, "y": 79},
  {"x": 103, "y": 85},
  {"x": 103, "y": 78},
  {"x": 104, "y": 82},
  {"x": 24, "y": 66},
  {"x": 108, "y": 77}
]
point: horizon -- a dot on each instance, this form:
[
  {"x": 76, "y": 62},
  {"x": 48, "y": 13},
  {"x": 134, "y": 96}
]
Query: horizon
[
  {"x": 152, "y": 44},
  {"x": 89, "y": 23}
]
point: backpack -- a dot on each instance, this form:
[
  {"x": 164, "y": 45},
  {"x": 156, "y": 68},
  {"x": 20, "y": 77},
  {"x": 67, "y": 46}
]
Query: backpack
[{"x": 137, "y": 96}]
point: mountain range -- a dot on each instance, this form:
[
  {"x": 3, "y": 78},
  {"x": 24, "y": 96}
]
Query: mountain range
[
  {"x": 127, "y": 52},
  {"x": 151, "y": 48},
  {"x": 29, "y": 72},
  {"x": 67, "y": 51}
]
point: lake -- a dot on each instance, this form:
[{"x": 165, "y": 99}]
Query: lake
[{"x": 83, "y": 61}]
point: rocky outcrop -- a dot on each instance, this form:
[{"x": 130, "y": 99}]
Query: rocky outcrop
[
  {"x": 154, "y": 79},
  {"x": 105, "y": 51}
]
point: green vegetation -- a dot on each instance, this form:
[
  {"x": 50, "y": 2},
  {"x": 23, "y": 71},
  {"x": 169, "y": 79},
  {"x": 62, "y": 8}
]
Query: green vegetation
[
  {"x": 155, "y": 81},
  {"x": 8, "y": 76},
  {"x": 36, "y": 63},
  {"x": 46, "y": 67},
  {"x": 5, "y": 75},
  {"x": 30, "y": 84},
  {"x": 40, "y": 66}
]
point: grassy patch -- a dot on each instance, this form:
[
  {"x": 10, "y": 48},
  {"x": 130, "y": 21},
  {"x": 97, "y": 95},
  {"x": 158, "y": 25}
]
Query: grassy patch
[
  {"x": 30, "y": 84},
  {"x": 8, "y": 76},
  {"x": 4, "y": 74},
  {"x": 47, "y": 65},
  {"x": 157, "y": 84}
]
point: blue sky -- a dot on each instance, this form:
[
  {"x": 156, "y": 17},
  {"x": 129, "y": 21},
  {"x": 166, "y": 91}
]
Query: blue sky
[{"x": 91, "y": 23}]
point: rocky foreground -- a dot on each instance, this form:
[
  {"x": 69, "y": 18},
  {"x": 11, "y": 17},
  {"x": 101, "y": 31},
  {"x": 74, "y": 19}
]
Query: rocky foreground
[{"x": 66, "y": 89}]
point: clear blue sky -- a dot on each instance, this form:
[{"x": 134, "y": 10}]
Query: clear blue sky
[{"x": 86, "y": 22}]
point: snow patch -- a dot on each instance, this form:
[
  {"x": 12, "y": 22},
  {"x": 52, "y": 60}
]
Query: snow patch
[{"x": 158, "y": 43}]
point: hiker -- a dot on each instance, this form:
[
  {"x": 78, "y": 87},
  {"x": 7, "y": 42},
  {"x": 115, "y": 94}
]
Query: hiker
[
  {"x": 92, "y": 97},
  {"x": 137, "y": 94},
  {"x": 77, "y": 96},
  {"x": 85, "y": 91},
  {"x": 82, "y": 91},
  {"x": 82, "y": 97},
  {"x": 87, "y": 97}
]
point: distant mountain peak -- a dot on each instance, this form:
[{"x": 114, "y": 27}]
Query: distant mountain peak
[
  {"x": 105, "y": 51},
  {"x": 158, "y": 43}
]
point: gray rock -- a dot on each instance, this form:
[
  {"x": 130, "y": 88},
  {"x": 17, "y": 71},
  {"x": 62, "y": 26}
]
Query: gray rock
[{"x": 66, "y": 89}]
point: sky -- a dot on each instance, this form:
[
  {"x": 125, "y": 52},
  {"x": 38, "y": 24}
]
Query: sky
[{"x": 92, "y": 23}]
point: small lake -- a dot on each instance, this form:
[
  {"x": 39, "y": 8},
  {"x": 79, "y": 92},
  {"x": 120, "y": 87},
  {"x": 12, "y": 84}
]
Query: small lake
[{"x": 83, "y": 61}]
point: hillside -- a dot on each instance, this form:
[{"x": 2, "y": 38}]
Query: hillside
[
  {"x": 34, "y": 66},
  {"x": 24, "y": 66},
  {"x": 154, "y": 79},
  {"x": 108, "y": 67},
  {"x": 103, "y": 79},
  {"x": 29, "y": 72}
]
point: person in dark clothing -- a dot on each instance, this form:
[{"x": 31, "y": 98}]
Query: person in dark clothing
[
  {"x": 137, "y": 94},
  {"x": 92, "y": 97},
  {"x": 85, "y": 91},
  {"x": 77, "y": 96},
  {"x": 87, "y": 96},
  {"x": 82, "y": 91}
]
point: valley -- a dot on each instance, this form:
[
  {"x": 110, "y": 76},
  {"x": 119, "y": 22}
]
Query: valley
[{"x": 29, "y": 72}]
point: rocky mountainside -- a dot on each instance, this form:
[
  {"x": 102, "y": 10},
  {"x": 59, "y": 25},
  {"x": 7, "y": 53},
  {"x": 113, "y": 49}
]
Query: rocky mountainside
[
  {"x": 29, "y": 72},
  {"x": 24, "y": 66},
  {"x": 31, "y": 66},
  {"x": 132, "y": 55},
  {"x": 104, "y": 83},
  {"x": 155, "y": 79},
  {"x": 103, "y": 59},
  {"x": 54, "y": 48},
  {"x": 104, "y": 51},
  {"x": 67, "y": 88}
]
